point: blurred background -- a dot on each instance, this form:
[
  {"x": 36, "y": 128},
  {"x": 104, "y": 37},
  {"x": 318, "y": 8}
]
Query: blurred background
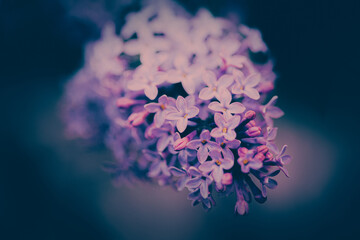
[{"x": 53, "y": 188}]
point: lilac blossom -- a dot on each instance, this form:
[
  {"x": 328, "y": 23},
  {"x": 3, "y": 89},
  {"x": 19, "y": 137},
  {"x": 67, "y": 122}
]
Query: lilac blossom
[
  {"x": 182, "y": 175},
  {"x": 185, "y": 73},
  {"x": 146, "y": 79},
  {"x": 160, "y": 109},
  {"x": 225, "y": 106},
  {"x": 178, "y": 100},
  {"x": 269, "y": 111},
  {"x": 217, "y": 165},
  {"x": 214, "y": 87},
  {"x": 225, "y": 146},
  {"x": 247, "y": 161},
  {"x": 203, "y": 145},
  {"x": 199, "y": 181},
  {"x": 246, "y": 85},
  {"x": 225, "y": 127},
  {"x": 184, "y": 110}
]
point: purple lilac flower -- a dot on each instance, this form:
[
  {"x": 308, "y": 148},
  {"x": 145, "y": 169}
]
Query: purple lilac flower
[
  {"x": 202, "y": 145},
  {"x": 182, "y": 175},
  {"x": 225, "y": 126},
  {"x": 165, "y": 136},
  {"x": 269, "y": 111},
  {"x": 184, "y": 110},
  {"x": 214, "y": 87},
  {"x": 158, "y": 166},
  {"x": 181, "y": 137},
  {"x": 224, "y": 146},
  {"x": 199, "y": 181},
  {"x": 247, "y": 161},
  {"x": 217, "y": 165},
  {"x": 246, "y": 85},
  {"x": 161, "y": 109},
  {"x": 146, "y": 79},
  {"x": 225, "y": 107}
]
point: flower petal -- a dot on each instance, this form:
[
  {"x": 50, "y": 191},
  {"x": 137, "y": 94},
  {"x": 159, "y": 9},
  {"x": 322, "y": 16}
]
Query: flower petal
[
  {"x": 206, "y": 94},
  {"x": 202, "y": 154},
  {"x": 181, "y": 124},
  {"x": 151, "y": 91},
  {"x": 251, "y": 93}
]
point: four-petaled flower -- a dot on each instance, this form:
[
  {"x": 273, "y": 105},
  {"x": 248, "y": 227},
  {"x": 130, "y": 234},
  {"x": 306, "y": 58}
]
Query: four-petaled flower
[
  {"x": 224, "y": 146},
  {"x": 214, "y": 87},
  {"x": 246, "y": 85},
  {"x": 146, "y": 78},
  {"x": 203, "y": 145},
  {"x": 160, "y": 108},
  {"x": 184, "y": 110},
  {"x": 225, "y": 126},
  {"x": 225, "y": 107},
  {"x": 199, "y": 181},
  {"x": 217, "y": 165},
  {"x": 247, "y": 161}
]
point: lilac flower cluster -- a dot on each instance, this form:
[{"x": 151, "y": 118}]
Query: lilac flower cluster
[{"x": 180, "y": 100}]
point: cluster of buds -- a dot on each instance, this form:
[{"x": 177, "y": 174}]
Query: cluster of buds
[{"x": 179, "y": 99}]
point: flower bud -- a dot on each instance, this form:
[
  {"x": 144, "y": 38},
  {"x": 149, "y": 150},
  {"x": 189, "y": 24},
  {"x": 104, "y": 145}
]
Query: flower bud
[
  {"x": 242, "y": 151},
  {"x": 227, "y": 179},
  {"x": 250, "y": 115},
  {"x": 260, "y": 156},
  {"x": 250, "y": 124},
  {"x": 262, "y": 149},
  {"x": 135, "y": 119},
  {"x": 253, "y": 131},
  {"x": 269, "y": 155},
  {"x": 182, "y": 142}
]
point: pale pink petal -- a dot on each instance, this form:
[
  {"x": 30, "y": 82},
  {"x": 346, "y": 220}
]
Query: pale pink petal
[
  {"x": 253, "y": 80},
  {"x": 216, "y": 106},
  {"x": 236, "y": 107},
  {"x": 225, "y": 80},
  {"x": 151, "y": 92},
  {"x": 181, "y": 124},
  {"x": 216, "y": 132},
  {"x": 206, "y": 93},
  {"x": 251, "y": 93},
  {"x": 209, "y": 78},
  {"x": 230, "y": 135}
]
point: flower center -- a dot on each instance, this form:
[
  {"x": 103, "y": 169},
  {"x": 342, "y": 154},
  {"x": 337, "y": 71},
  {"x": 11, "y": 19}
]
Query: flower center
[
  {"x": 224, "y": 130},
  {"x": 185, "y": 116},
  {"x": 246, "y": 161},
  {"x": 222, "y": 144},
  {"x": 217, "y": 162},
  {"x": 214, "y": 89},
  {"x": 162, "y": 106},
  {"x": 203, "y": 141}
]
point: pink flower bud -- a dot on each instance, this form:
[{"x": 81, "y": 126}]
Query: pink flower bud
[
  {"x": 260, "y": 156},
  {"x": 242, "y": 151},
  {"x": 135, "y": 119},
  {"x": 250, "y": 124},
  {"x": 250, "y": 115},
  {"x": 125, "y": 102},
  {"x": 262, "y": 149},
  {"x": 269, "y": 155},
  {"x": 182, "y": 142},
  {"x": 227, "y": 179},
  {"x": 149, "y": 131},
  {"x": 253, "y": 131},
  {"x": 266, "y": 86}
]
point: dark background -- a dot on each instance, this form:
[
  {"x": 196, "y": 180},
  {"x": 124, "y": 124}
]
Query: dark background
[{"x": 46, "y": 194}]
